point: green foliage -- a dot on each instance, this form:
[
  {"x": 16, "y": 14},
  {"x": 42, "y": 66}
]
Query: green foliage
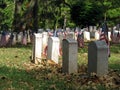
[
  {"x": 85, "y": 13},
  {"x": 6, "y": 16}
]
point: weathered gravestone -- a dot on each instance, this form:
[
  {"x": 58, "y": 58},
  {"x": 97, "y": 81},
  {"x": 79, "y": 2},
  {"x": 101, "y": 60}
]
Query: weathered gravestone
[
  {"x": 53, "y": 49},
  {"x": 98, "y": 57},
  {"x": 37, "y": 48},
  {"x": 70, "y": 52}
]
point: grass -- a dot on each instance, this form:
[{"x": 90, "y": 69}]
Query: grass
[
  {"x": 114, "y": 60},
  {"x": 18, "y": 73}
]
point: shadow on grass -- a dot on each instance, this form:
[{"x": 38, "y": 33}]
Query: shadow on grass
[
  {"x": 40, "y": 79},
  {"x": 12, "y": 78},
  {"x": 115, "y": 67},
  {"x": 19, "y": 45}
]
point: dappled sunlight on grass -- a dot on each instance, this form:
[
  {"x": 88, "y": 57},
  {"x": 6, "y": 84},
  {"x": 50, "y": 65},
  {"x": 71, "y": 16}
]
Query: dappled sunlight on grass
[{"x": 14, "y": 57}]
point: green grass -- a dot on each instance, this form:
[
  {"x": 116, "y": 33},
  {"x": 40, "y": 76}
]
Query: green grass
[
  {"x": 18, "y": 73},
  {"x": 114, "y": 60}
]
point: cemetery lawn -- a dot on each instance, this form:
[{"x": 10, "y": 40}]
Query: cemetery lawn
[{"x": 17, "y": 72}]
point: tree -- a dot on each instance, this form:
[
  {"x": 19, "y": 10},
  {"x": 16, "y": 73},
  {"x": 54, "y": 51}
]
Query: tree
[
  {"x": 6, "y": 14},
  {"x": 111, "y": 10},
  {"x": 35, "y": 16},
  {"x": 85, "y": 13}
]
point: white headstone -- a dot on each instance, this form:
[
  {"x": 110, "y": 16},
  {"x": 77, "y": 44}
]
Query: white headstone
[
  {"x": 61, "y": 36},
  {"x": 109, "y": 36},
  {"x": 94, "y": 28},
  {"x": 86, "y": 35},
  {"x": 19, "y": 37},
  {"x": 44, "y": 41},
  {"x": 37, "y": 48},
  {"x": 53, "y": 49},
  {"x": 97, "y": 35}
]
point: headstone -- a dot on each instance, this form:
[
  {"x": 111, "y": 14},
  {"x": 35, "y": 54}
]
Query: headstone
[
  {"x": 4, "y": 38},
  {"x": 90, "y": 28},
  {"x": 94, "y": 28},
  {"x": 19, "y": 37},
  {"x": 61, "y": 36},
  {"x": 37, "y": 48},
  {"x": 28, "y": 36},
  {"x": 70, "y": 35},
  {"x": 86, "y": 35},
  {"x": 7, "y": 38},
  {"x": 115, "y": 37},
  {"x": 97, "y": 35},
  {"x": 44, "y": 42},
  {"x": 98, "y": 58},
  {"x": 14, "y": 39},
  {"x": 24, "y": 38},
  {"x": 109, "y": 36},
  {"x": 10, "y": 41},
  {"x": 40, "y": 30},
  {"x": 92, "y": 34},
  {"x": 53, "y": 49},
  {"x": 68, "y": 29},
  {"x": 75, "y": 35},
  {"x": 70, "y": 50}
]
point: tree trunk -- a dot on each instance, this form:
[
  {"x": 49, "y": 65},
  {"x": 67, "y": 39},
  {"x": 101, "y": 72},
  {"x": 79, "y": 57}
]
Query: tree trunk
[{"x": 35, "y": 16}]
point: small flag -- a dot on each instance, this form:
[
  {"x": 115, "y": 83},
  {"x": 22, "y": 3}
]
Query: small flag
[
  {"x": 80, "y": 39},
  {"x": 104, "y": 33},
  {"x": 104, "y": 36}
]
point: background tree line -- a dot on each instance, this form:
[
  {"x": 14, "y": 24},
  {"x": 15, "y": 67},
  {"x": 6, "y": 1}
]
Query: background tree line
[{"x": 19, "y": 15}]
